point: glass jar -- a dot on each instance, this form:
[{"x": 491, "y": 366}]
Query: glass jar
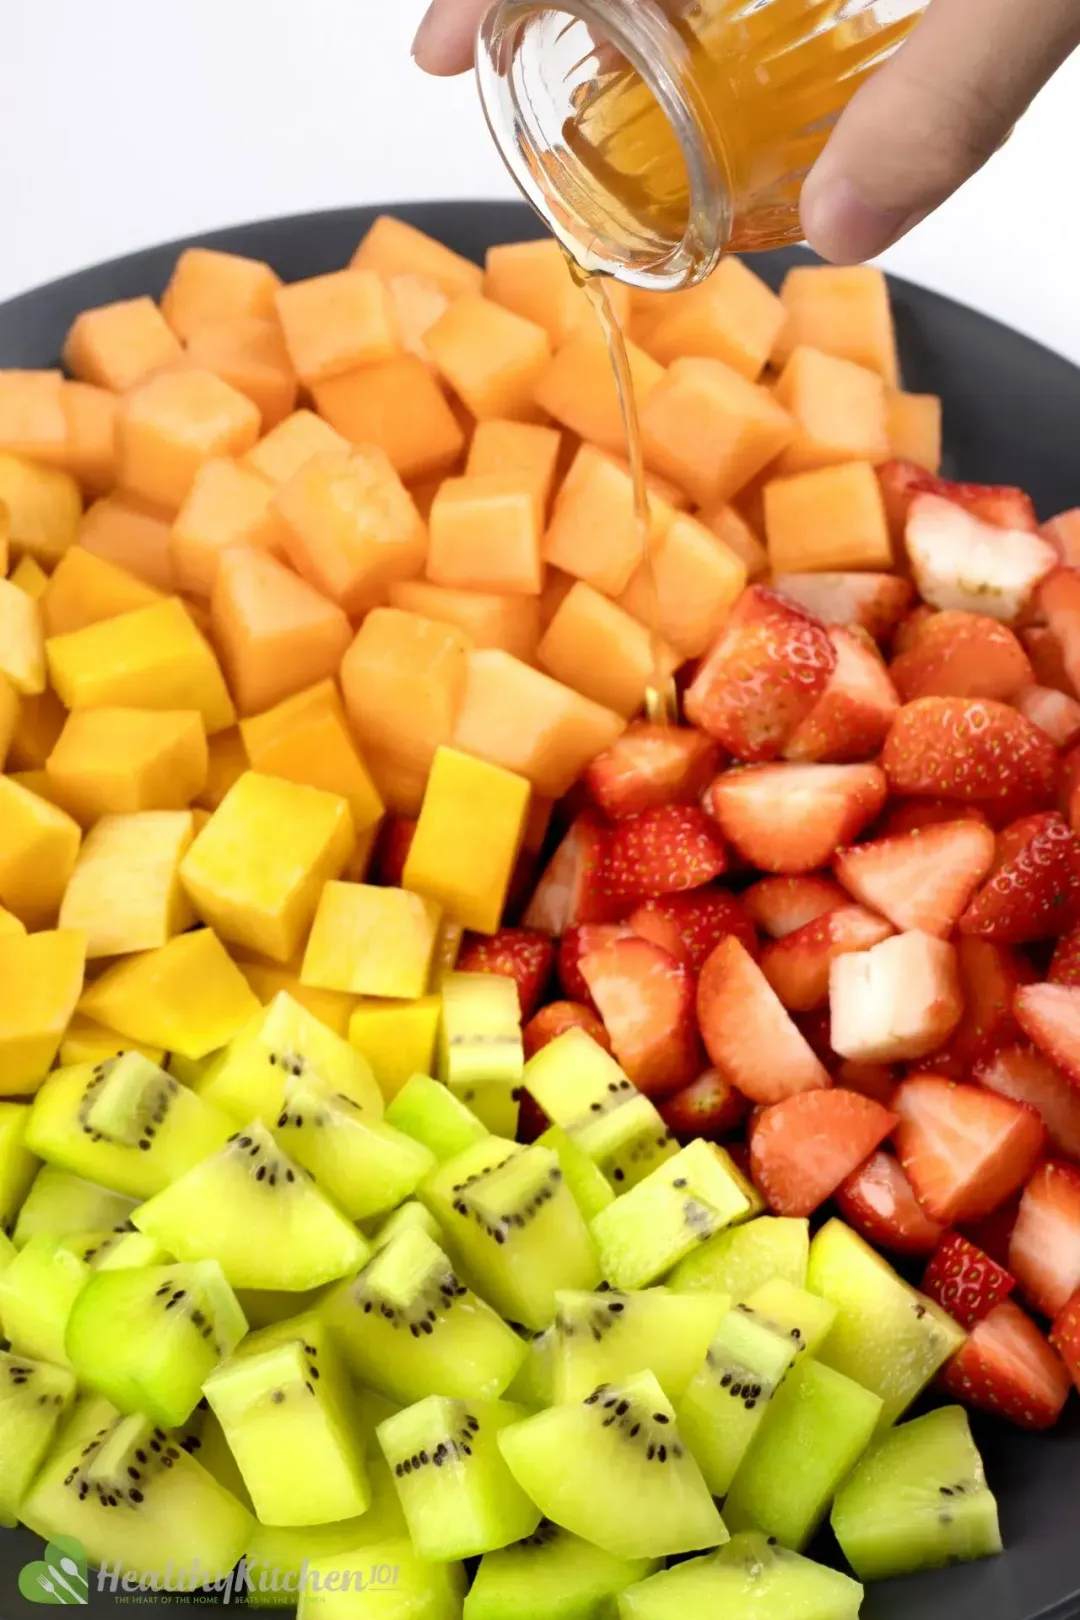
[{"x": 654, "y": 135}]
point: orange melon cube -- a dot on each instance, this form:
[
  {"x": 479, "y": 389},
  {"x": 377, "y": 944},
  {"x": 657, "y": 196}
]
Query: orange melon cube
[
  {"x": 594, "y": 533},
  {"x": 533, "y": 279},
  {"x": 41, "y": 977},
  {"x": 914, "y": 428},
  {"x": 517, "y": 717},
  {"x": 38, "y": 725},
  {"x": 423, "y": 493},
  {"x": 208, "y": 286},
  {"x": 698, "y": 578},
  {"x": 578, "y": 388},
  {"x": 710, "y": 431},
  {"x": 467, "y": 839},
  {"x": 22, "y": 640},
  {"x": 30, "y": 577},
  {"x": 833, "y": 520},
  {"x": 603, "y": 652},
  {"x": 491, "y": 358},
  {"x": 398, "y": 406},
  {"x": 403, "y": 679},
  {"x": 400, "y": 781},
  {"x": 557, "y": 586},
  {"x": 488, "y": 620},
  {"x": 844, "y": 311},
  {"x": 732, "y": 316},
  {"x": 125, "y": 894},
  {"x": 286, "y": 448},
  {"x": 109, "y": 762},
  {"x": 32, "y": 418},
  {"x": 250, "y": 355},
  {"x": 131, "y": 536},
  {"x": 226, "y": 764},
  {"x": 307, "y": 739},
  {"x": 485, "y": 535},
  {"x": 84, "y": 589},
  {"x": 275, "y": 634},
  {"x": 119, "y": 345},
  {"x": 43, "y": 505},
  {"x": 90, "y": 454},
  {"x": 9, "y": 716},
  {"x": 38, "y": 847},
  {"x": 839, "y": 411},
  {"x": 5, "y": 540},
  {"x": 731, "y": 527},
  {"x": 352, "y": 527},
  {"x": 371, "y": 942},
  {"x": 393, "y": 248},
  {"x": 524, "y": 448},
  {"x": 337, "y": 322},
  {"x": 227, "y": 505},
  {"x": 418, "y": 302},
  {"x": 171, "y": 425}
]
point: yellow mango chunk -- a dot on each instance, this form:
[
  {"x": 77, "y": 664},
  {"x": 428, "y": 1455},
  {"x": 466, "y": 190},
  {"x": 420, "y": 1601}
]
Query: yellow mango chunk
[
  {"x": 188, "y": 997},
  {"x": 85, "y": 589},
  {"x": 125, "y": 892},
  {"x": 467, "y": 838},
  {"x": 22, "y": 640},
  {"x": 397, "y": 1038},
  {"x": 307, "y": 739},
  {"x": 38, "y": 847},
  {"x": 330, "y": 1007},
  {"x": 44, "y": 508},
  {"x": 87, "y": 1042},
  {"x": 153, "y": 658},
  {"x": 10, "y": 924},
  {"x": 30, "y": 577},
  {"x": 9, "y": 716},
  {"x": 372, "y": 942},
  {"x": 257, "y": 869},
  {"x": 41, "y": 977},
  {"x": 119, "y": 761},
  {"x": 228, "y": 762},
  {"x": 37, "y": 728}
]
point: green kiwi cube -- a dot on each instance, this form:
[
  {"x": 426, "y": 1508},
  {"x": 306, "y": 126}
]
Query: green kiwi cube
[
  {"x": 796, "y": 1313},
  {"x": 615, "y": 1470},
  {"x": 409, "y": 1214},
  {"x": 457, "y": 1494},
  {"x": 59, "y": 1203},
  {"x": 37, "y": 1291},
  {"x": 607, "y": 1337},
  {"x": 408, "y": 1327},
  {"x": 389, "y": 1580},
  {"x": 551, "y": 1575},
  {"x": 740, "y": 1259},
  {"x": 588, "y": 1185},
  {"x": 428, "y": 1111},
  {"x": 366, "y": 1166},
  {"x": 17, "y": 1164},
  {"x": 178, "y": 1323},
  {"x": 533, "y": 1385},
  {"x": 278, "y": 1554},
  {"x": 815, "y": 1429},
  {"x": 117, "y": 1251},
  {"x": 34, "y": 1398},
  {"x": 132, "y": 1093},
  {"x": 265, "y": 1307},
  {"x": 682, "y": 1203},
  {"x": 918, "y": 1500},
  {"x": 481, "y": 1057},
  {"x": 749, "y": 1579},
  {"x": 8, "y": 1252},
  {"x": 253, "y": 1210},
  {"x": 626, "y": 1142},
  {"x": 887, "y": 1337}
]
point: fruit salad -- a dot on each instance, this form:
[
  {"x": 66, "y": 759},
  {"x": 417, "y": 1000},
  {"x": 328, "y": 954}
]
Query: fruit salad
[{"x": 465, "y": 1149}]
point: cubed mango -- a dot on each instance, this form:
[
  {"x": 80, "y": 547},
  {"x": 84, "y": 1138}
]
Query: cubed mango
[
  {"x": 125, "y": 893},
  {"x": 397, "y": 1038},
  {"x": 371, "y": 942},
  {"x": 41, "y": 977},
  {"x": 118, "y": 761},
  {"x": 188, "y": 997},
  {"x": 467, "y": 838}
]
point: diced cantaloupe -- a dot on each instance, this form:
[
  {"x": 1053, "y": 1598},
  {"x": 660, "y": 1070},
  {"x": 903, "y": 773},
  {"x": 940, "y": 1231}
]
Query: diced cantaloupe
[
  {"x": 838, "y": 408},
  {"x": 119, "y": 761},
  {"x": 467, "y": 839},
  {"x": 208, "y": 286},
  {"x": 226, "y": 765},
  {"x": 524, "y": 448},
  {"x": 9, "y": 716},
  {"x": 22, "y": 640},
  {"x": 189, "y": 997},
  {"x": 88, "y": 1042},
  {"x": 397, "y": 1038},
  {"x": 914, "y": 424},
  {"x": 519, "y": 718},
  {"x": 403, "y": 680},
  {"x": 307, "y": 739},
  {"x": 594, "y": 532},
  {"x": 488, "y": 619},
  {"x": 418, "y": 303},
  {"x": 491, "y": 358},
  {"x": 284, "y": 450},
  {"x": 131, "y": 535},
  {"x": 119, "y": 345},
  {"x": 484, "y": 535},
  {"x": 732, "y": 528},
  {"x": 32, "y": 418},
  {"x": 533, "y": 279},
  {"x": 41, "y": 977},
  {"x": 38, "y": 725},
  {"x": 336, "y": 322},
  {"x": 709, "y": 430},
  {"x": 125, "y": 893},
  {"x": 371, "y": 942},
  {"x": 687, "y": 588},
  {"x": 398, "y": 405},
  {"x": 732, "y": 316},
  {"x": 90, "y": 453},
  {"x": 38, "y": 846},
  {"x": 250, "y": 355},
  {"x": 268, "y": 982},
  {"x": 392, "y": 247},
  {"x": 603, "y": 652},
  {"x": 557, "y": 585},
  {"x": 844, "y": 311},
  {"x": 352, "y": 526},
  {"x": 30, "y": 577},
  {"x": 84, "y": 589},
  {"x": 153, "y": 658},
  {"x": 256, "y": 870},
  {"x": 172, "y": 424},
  {"x": 578, "y": 388},
  {"x": 830, "y": 520},
  {"x": 227, "y": 505},
  {"x": 44, "y": 506}
]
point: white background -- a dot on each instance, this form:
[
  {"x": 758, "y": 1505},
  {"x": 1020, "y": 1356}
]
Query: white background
[{"x": 125, "y": 122}]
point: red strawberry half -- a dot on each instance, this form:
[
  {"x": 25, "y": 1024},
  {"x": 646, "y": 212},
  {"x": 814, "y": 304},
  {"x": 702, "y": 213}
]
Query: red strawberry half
[
  {"x": 1009, "y": 1369},
  {"x": 646, "y": 1000},
  {"x": 749, "y": 1034},
  {"x": 392, "y": 850},
  {"x": 1047, "y": 658},
  {"x": 1065, "y": 967},
  {"x": 1044, "y": 1250},
  {"x": 578, "y": 942},
  {"x": 1020, "y": 1072},
  {"x": 905, "y": 816},
  {"x": 1000, "y": 504},
  {"x": 572, "y": 890},
  {"x": 692, "y": 925},
  {"x": 649, "y": 766},
  {"x": 664, "y": 851},
  {"x": 1065, "y": 1337},
  {"x": 920, "y": 880},
  {"x": 964, "y": 1149},
  {"x": 872, "y": 602},
  {"x": 780, "y": 905},
  {"x": 1049, "y": 1015},
  {"x": 801, "y": 1149},
  {"x": 962, "y": 655},
  {"x": 1056, "y": 713},
  {"x": 793, "y": 818},
  {"x": 798, "y": 966},
  {"x": 964, "y": 1281},
  {"x": 555, "y": 1019},
  {"x": 851, "y": 718},
  {"x": 522, "y": 954},
  {"x": 1059, "y": 600},
  {"x": 961, "y": 562},
  {"x": 709, "y": 1106},
  {"x": 877, "y": 1200},
  {"x": 972, "y": 750},
  {"x": 1034, "y": 891},
  {"x": 990, "y": 976}
]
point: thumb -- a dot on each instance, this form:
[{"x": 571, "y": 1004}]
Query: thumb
[
  {"x": 930, "y": 118},
  {"x": 446, "y": 39}
]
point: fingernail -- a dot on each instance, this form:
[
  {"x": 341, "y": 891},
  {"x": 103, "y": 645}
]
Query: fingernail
[
  {"x": 842, "y": 227},
  {"x": 423, "y": 31}
]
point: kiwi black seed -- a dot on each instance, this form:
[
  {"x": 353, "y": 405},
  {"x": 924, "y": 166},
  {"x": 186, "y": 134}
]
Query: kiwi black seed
[
  {"x": 515, "y": 1219},
  {"x": 265, "y": 1167},
  {"x": 148, "y": 1115},
  {"x": 597, "y": 1322},
  {"x": 648, "y": 1432},
  {"x": 429, "y": 1307},
  {"x": 450, "y": 1448},
  {"x": 24, "y": 1375}
]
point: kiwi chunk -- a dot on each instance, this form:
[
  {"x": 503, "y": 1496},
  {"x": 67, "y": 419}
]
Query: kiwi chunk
[
  {"x": 749, "y": 1579},
  {"x": 37, "y": 1291},
  {"x": 340, "y": 1587},
  {"x": 534, "y": 1385},
  {"x": 588, "y": 1185},
  {"x": 795, "y": 1313},
  {"x": 408, "y": 1215},
  {"x": 408, "y": 1327},
  {"x": 366, "y": 1166},
  {"x": 457, "y": 1494},
  {"x": 481, "y": 1057},
  {"x": 59, "y": 1203},
  {"x": 34, "y": 1397},
  {"x": 887, "y": 1337},
  {"x": 551, "y": 1575},
  {"x": 256, "y": 1212},
  {"x": 428, "y": 1111},
  {"x": 17, "y": 1163},
  {"x": 121, "y": 1250},
  {"x": 739, "y": 1260},
  {"x": 147, "y": 1338},
  {"x": 606, "y": 1337},
  {"x": 918, "y": 1500}
]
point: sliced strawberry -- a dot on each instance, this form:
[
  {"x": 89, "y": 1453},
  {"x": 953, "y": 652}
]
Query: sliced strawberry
[
  {"x": 993, "y": 1232},
  {"x": 972, "y": 750},
  {"x": 646, "y": 1000},
  {"x": 392, "y": 850},
  {"x": 555, "y": 1019},
  {"x": 990, "y": 976},
  {"x": 1020, "y": 1072},
  {"x": 816, "y": 1028},
  {"x": 764, "y": 675},
  {"x": 1044, "y": 1250},
  {"x": 912, "y": 628},
  {"x": 963, "y": 563},
  {"x": 649, "y": 766},
  {"x": 692, "y": 925},
  {"x": 1065, "y": 965},
  {"x": 896, "y": 1002},
  {"x": 912, "y": 815},
  {"x": 876, "y": 1080},
  {"x": 572, "y": 889},
  {"x": 578, "y": 942},
  {"x": 964, "y": 1149},
  {"x": 999, "y": 504},
  {"x": 1065, "y": 1337},
  {"x": 749, "y": 1034},
  {"x": 792, "y": 818},
  {"x": 964, "y": 1281},
  {"x": 878, "y": 1201},
  {"x": 1034, "y": 892},
  {"x": 664, "y": 851},
  {"x": 709, "y": 1106},
  {"x": 1059, "y": 599},
  {"x": 1009, "y": 1369},
  {"x": 851, "y": 718},
  {"x": 780, "y": 905},
  {"x": 962, "y": 655},
  {"x": 1054, "y": 712},
  {"x": 922, "y": 880},
  {"x": 1049, "y": 1015},
  {"x": 1068, "y": 793},
  {"x": 872, "y": 602},
  {"x": 798, "y": 966},
  {"x": 522, "y": 954},
  {"x": 1063, "y": 533},
  {"x": 801, "y": 1149},
  {"x": 1047, "y": 659}
]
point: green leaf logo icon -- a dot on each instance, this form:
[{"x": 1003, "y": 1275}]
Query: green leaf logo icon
[{"x": 58, "y": 1577}]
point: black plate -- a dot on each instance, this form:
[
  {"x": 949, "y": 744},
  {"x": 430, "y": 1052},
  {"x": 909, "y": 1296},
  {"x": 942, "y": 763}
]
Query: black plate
[{"x": 1012, "y": 415}]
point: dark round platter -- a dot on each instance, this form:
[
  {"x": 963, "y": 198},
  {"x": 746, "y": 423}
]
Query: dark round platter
[{"x": 1012, "y": 415}]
